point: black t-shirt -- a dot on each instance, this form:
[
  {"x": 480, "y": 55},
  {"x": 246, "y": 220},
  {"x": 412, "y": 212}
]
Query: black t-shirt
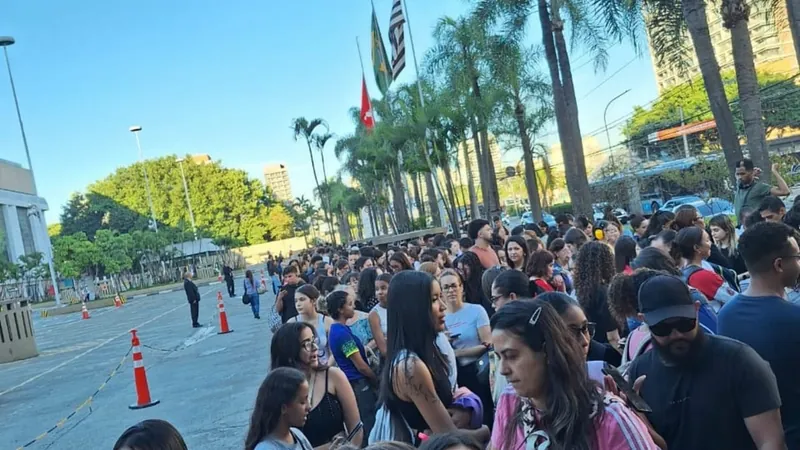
[
  {"x": 289, "y": 309},
  {"x": 597, "y": 311},
  {"x": 703, "y": 405}
]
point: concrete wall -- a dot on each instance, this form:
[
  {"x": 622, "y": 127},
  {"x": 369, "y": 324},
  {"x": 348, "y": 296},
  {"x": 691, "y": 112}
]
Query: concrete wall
[
  {"x": 256, "y": 254},
  {"x": 14, "y": 178}
]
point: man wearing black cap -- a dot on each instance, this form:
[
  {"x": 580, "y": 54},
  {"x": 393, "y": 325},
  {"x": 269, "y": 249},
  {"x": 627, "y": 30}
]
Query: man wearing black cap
[{"x": 707, "y": 392}]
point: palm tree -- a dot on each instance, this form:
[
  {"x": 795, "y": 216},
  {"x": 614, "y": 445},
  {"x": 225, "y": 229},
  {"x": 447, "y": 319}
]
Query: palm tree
[
  {"x": 514, "y": 71},
  {"x": 735, "y": 17},
  {"x": 667, "y": 21},
  {"x": 591, "y": 27},
  {"x": 305, "y": 129},
  {"x": 456, "y": 56}
]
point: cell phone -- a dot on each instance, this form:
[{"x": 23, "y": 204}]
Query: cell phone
[
  {"x": 634, "y": 399},
  {"x": 455, "y": 336}
]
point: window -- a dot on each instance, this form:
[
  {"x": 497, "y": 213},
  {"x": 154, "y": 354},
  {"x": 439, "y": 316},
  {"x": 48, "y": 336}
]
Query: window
[{"x": 26, "y": 230}]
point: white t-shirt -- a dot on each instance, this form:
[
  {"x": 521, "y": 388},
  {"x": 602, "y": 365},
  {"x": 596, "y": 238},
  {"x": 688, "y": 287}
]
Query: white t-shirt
[
  {"x": 466, "y": 322},
  {"x": 382, "y": 316},
  {"x": 447, "y": 350}
]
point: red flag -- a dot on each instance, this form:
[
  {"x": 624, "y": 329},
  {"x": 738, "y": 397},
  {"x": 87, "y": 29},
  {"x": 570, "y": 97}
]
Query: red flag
[{"x": 366, "y": 107}]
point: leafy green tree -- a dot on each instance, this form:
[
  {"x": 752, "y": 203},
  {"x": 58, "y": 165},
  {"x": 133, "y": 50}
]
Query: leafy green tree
[{"x": 225, "y": 203}]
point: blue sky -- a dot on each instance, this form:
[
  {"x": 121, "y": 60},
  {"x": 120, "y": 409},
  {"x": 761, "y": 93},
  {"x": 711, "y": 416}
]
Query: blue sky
[{"x": 223, "y": 78}]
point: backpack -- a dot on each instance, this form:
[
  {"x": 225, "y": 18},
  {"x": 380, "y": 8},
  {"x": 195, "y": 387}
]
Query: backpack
[{"x": 724, "y": 293}]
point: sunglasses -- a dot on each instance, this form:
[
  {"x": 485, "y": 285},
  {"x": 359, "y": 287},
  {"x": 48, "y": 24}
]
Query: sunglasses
[
  {"x": 588, "y": 329},
  {"x": 664, "y": 328}
]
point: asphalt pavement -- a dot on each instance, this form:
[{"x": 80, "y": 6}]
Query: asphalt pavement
[{"x": 206, "y": 382}]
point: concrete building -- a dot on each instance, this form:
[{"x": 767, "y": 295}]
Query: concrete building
[
  {"x": 494, "y": 149},
  {"x": 772, "y": 47},
  {"x": 202, "y": 158},
  {"x": 276, "y": 177},
  {"x": 23, "y": 229}
]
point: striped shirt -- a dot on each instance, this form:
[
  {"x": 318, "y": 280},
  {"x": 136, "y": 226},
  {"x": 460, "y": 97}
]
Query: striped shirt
[{"x": 616, "y": 427}]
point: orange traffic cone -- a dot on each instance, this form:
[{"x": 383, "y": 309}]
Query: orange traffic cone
[
  {"x": 223, "y": 317},
  {"x": 140, "y": 377},
  {"x": 219, "y": 278},
  {"x": 85, "y": 312},
  {"x": 117, "y": 302}
]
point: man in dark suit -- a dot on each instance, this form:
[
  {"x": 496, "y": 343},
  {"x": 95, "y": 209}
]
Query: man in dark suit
[
  {"x": 193, "y": 296},
  {"x": 227, "y": 272}
]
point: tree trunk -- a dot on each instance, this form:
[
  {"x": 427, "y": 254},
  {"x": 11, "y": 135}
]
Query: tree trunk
[
  {"x": 735, "y": 17},
  {"x": 448, "y": 177},
  {"x": 433, "y": 202},
  {"x": 577, "y": 181},
  {"x": 372, "y": 216},
  {"x": 344, "y": 227},
  {"x": 527, "y": 153},
  {"x": 473, "y": 196},
  {"x": 323, "y": 198},
  {"x": 482, "y": 176},
  {"x": 399, "y": 200},
  {"x": 793, "y": 11},
  {"x": 559, "y": 105},
  {"x": 694, "y": 12},
  {"x": 494, "y": 192},
  {"x": 417, "y": 198}
]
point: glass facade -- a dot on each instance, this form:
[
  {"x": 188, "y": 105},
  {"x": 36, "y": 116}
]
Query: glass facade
[{"x": 26, "y": 230}]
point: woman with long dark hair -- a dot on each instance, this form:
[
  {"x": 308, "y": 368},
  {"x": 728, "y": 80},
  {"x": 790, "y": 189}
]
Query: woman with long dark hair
[
  {"x": 470, "y": 325},
  {"x": 414, "y": 386},
  {"x": 305, "y": 300},
  {"x": 594, "y": 270},
  {"x": 470, "y": 267},
  {"x": 351, "y": 356},
  {"x": 151, "y": 434},
  {"x": 562, "y": 254},
  {"x": 399, "y": 261},
  {"x": 687, "y": 216},
  {"x": 724, "y": 236},
  {"x": 365, "y": 296},
  {"x": 692, "y": 247},
  {"x": 659, "y": 221},
  {"x": 540, "y": 271},
  {"x": 279, "y": 413},
  {"x": 377, "y": 317},
  {"x": 624, "y": 253},
  {"x": 251, "y": 291},
  {"x": 554, "y": 403},
  {"x": 516, "y": 253},
  {"x": 332, "y": 401}
]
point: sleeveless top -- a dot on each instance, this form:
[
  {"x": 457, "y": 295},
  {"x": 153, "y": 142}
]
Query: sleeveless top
[
  {"x": 326, "y": 420},
  {"x": 381, "y": 311},
  {"x": 409, "y": 410}
]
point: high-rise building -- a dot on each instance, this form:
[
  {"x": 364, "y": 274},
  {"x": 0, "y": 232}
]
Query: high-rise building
[
  {"x": 773, "y": 48},
  {"x": 276, "y": 177},
  {"x": 494, "y": 149}
]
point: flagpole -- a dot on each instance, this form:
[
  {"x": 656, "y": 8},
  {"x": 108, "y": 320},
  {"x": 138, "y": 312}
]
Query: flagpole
[
  {"x": 360, "y": 58},
  {"x": 437, "y": 186}
]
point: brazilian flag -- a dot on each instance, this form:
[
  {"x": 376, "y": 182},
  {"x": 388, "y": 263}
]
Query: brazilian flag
[{"x": 380, "y": 62}]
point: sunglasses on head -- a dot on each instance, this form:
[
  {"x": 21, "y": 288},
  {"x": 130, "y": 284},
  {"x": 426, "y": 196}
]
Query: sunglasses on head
[{"x": 664, "y": 328}]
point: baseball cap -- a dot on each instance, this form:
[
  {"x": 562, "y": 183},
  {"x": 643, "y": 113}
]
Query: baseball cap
[{"x": 663, "y": 297}]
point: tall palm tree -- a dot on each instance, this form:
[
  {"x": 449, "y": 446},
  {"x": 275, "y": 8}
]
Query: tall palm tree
[
  {"x": 592, "y": 26},
  {"x": 514, "y": 70},
  {"x": 736, "y": 17},
  {"x": 456, "y": 55},
  {"x": 667, "y": 22},
  {"x": 305, "y": 129}
]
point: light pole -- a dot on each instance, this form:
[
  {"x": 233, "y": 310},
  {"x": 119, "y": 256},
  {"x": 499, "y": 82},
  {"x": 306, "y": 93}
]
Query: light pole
[
  {"x": 608, "y": 135},
  {"x": 188, "y": 200},
  {"x": 135, "y": 130},
  {"x": 5, "y": 41}
]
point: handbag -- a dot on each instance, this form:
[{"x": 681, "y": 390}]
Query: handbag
[
  {"x": 274, "y": 319},
  {"x": 245, "y": 297},
  {"x": 480, "y": 368}
]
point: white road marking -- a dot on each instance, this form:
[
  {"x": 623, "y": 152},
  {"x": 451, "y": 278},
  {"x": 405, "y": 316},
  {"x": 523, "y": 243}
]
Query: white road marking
[{"x": 77, "y": 357}]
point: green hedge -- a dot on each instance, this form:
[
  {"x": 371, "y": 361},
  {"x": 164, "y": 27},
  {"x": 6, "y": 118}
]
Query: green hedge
[{"x": 561, "y": 208}]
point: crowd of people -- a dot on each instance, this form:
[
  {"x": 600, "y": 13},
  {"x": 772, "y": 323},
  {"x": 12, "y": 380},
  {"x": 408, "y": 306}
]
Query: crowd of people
[{"x": 671, "y": 332}]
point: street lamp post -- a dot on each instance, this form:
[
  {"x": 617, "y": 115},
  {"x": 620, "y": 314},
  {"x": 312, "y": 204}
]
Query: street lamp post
[
  {"x": 135, "y": 130},
  {"x": 608, "y": 135},
  {"x": 6, "y": 41},
  {"x": 188, "y": 199}
]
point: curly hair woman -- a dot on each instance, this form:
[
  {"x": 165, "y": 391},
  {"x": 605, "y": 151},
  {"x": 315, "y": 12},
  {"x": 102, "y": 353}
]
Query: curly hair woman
[{"x": 594, "y": 270}]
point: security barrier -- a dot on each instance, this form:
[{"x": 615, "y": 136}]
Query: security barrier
[{"x": 17, "y": 340}]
